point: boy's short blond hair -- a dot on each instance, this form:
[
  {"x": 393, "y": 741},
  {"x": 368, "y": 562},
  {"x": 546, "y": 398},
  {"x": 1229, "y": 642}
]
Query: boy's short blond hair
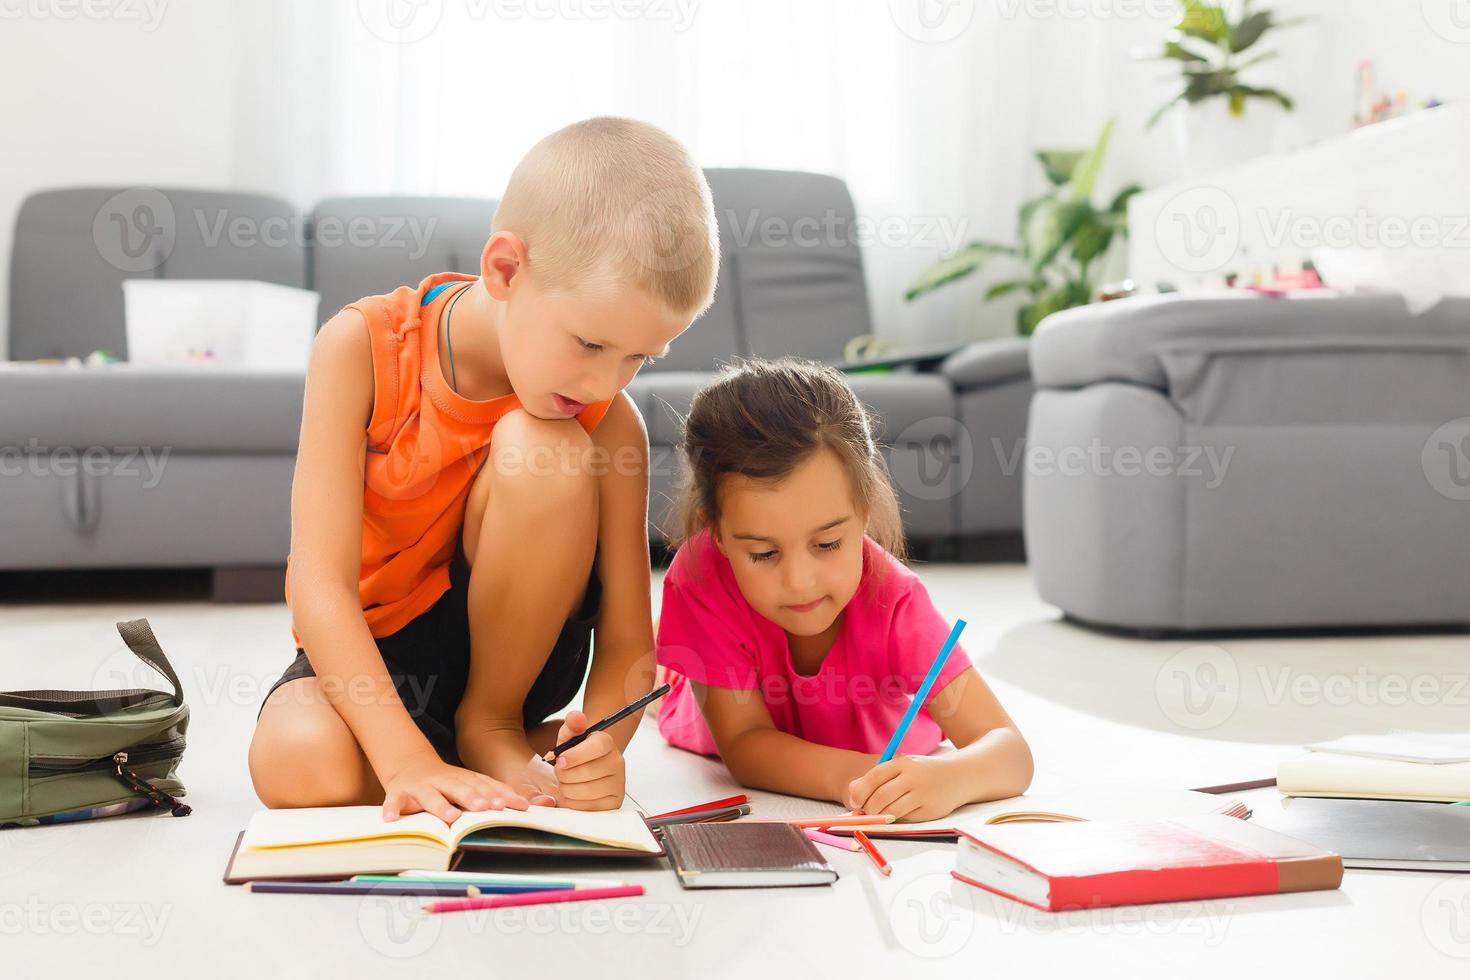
[{"x": 610, "y": 201}]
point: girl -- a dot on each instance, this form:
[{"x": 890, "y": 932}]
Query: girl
[{"x": 793, "y": 632}]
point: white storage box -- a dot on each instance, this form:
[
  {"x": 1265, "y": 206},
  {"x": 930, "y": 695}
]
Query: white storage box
[{"x": 226, "y": 323}]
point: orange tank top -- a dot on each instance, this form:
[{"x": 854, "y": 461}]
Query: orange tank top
[{"x": 425, "y": 445}]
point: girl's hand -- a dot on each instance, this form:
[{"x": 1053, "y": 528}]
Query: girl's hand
[
  {"x": 911, "y": 787},
  {"x": 591, "y": 775},
  {"x": 432, "y": 785}
]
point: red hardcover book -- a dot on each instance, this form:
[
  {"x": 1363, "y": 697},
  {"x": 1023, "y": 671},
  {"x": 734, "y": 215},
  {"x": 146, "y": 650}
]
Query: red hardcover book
[{"x": 1078, "y": 865}]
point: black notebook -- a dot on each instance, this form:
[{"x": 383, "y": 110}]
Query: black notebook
[
  {"x": 744, "y": 855},
  {"x": 1386, "y": 834}
]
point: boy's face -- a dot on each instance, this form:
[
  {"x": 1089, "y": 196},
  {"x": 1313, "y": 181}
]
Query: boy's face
[
  {"x": 565, "y": 350},
  {"x": 796, "y": 548}
]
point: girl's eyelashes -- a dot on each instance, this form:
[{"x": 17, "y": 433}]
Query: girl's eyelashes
[
  {"x": 759, "y": 556},
  {"x": 590, "y": 348}
]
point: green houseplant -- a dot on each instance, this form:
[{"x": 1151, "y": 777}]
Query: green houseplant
[
  {"x": 1212, "y": 50},
  {"x": 1063, "y": 237}
]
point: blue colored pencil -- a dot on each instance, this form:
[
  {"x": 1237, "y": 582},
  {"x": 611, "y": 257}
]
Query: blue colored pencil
[
  {"x": 923, "y": 692},
  {"x": 361, "y": 888}
]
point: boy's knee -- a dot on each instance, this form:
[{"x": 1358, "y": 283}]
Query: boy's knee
[
  {"x": 550, "y": 462},
  {"x": 300, "y": 758}
]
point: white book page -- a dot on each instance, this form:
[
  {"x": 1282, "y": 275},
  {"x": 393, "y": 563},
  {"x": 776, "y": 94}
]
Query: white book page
[
  {"x": 337, "y": 824},
  {"x": 617, "y": 828}
]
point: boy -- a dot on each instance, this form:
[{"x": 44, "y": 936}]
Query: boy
[{"x": 470, "y": 498}]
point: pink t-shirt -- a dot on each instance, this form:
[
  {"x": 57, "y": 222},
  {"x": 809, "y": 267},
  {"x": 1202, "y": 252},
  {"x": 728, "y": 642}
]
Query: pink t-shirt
[{"x": 890, "y": 633}]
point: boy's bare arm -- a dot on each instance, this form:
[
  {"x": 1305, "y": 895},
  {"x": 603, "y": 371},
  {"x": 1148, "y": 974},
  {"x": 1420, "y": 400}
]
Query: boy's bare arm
[
  {"x": 326, "y": 549},
  {"x": 623, "y": 663}
]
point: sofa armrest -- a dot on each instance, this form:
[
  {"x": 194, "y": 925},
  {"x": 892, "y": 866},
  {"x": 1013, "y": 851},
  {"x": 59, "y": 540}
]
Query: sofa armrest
[
  {"x": 1131, "y": 340},
  {"x": 988, "y": 362}
]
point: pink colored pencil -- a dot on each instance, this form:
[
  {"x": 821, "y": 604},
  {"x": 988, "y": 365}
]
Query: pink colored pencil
[
  {"x": 831, "y": 840},
  {"x": 533, "y": 898}
]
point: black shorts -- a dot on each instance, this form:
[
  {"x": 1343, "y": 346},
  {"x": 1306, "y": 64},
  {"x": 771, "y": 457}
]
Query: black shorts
[{"x": 429, "y": 660}]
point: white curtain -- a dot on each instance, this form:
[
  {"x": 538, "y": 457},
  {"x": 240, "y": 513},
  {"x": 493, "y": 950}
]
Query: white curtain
[{"x": 929, "y": 109}]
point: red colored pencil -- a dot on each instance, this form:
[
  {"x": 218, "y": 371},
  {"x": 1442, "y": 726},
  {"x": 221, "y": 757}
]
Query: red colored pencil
[
  {"x": 715, "y": 805},
  {"x": 533, "y": 898},
  {"x": 857, "y": 835}
]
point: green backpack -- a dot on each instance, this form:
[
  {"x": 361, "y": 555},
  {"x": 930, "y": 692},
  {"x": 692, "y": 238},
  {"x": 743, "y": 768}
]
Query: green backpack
[{"x": 67, "y": 755}]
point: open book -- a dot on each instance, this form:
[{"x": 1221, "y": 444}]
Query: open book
[
  {"x": 1113, "y": 802},
  {"x": 312, "y": 842}
]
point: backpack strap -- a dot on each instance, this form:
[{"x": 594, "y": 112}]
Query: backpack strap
[{"x": 138, "y": 635}]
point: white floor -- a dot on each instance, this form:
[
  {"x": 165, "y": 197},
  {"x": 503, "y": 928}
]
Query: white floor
[{"x": 137, "y": 895}]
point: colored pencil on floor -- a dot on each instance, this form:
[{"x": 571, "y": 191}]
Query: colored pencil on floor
[
  {"x": 727, "y": 802},
  {"x": 867, "y": 844},
  {"x": 822, "y": 837},
  {"x": 840, "y": 820},
  {"x": 532, "y": 898},
  {"x": 359, "y": 888}
]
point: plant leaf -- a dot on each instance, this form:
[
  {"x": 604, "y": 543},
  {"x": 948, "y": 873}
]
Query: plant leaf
[
  {"x": 1000, "y": 289},
  {"x": 1270, "y": 94},
  {"x": 1051, "y": 225},
  {"x": 1177, "y": 51},
  {"x": 1085, "y": 176},
  {"x": 1059, "y": 164},
  {"x": 1119, "y": 203},
  {"x": 1249, "y": 30},
  {"x": 956, "y": 266},
  {"x": 1091, "y": 238},
  {"x": 1204, "y": 20}
]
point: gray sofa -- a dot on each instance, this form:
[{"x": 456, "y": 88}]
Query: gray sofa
[
  {"x": 194, "y": 469},
  {"x": 1310, "y": 463}
]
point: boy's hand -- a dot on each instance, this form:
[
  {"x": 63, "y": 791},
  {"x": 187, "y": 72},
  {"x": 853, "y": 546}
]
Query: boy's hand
[
  {"x": 591, "y": 775},
  {"x": 911, "y": 787},
  {"x": 432, "y": 785}
]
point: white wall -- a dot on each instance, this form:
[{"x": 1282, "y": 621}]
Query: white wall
[
  {"x": 221, "y": 93},
  {"x": 139, "y": 96}
]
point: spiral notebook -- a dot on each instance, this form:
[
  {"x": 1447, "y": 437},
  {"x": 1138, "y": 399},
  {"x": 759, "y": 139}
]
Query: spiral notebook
[{"x": 744, "y": 855}]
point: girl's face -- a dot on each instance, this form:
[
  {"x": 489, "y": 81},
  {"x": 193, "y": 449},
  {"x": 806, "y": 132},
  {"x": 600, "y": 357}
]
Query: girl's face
[{"x": 796, "y": 547}]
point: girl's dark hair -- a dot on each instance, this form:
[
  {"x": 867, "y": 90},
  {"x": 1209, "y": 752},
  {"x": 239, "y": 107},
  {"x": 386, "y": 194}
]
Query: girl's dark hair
[{"x": 762, "y": 419}]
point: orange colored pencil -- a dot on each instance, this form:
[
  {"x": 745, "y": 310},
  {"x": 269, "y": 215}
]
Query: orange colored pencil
[
  {"x": 873, "y": 852},
  {"x": 841, "y": 820}
]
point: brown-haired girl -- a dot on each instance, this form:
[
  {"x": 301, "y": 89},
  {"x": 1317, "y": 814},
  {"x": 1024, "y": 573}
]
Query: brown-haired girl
[{"x": 794, "y": 634}]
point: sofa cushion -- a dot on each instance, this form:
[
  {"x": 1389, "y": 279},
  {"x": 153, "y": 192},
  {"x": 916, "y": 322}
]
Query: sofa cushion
[
  {"x": 186, "y": 410},
  {"x": 73, "y": 248}
]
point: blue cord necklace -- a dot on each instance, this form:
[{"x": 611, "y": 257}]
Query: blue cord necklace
[{"x": 448, "y": 343}]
